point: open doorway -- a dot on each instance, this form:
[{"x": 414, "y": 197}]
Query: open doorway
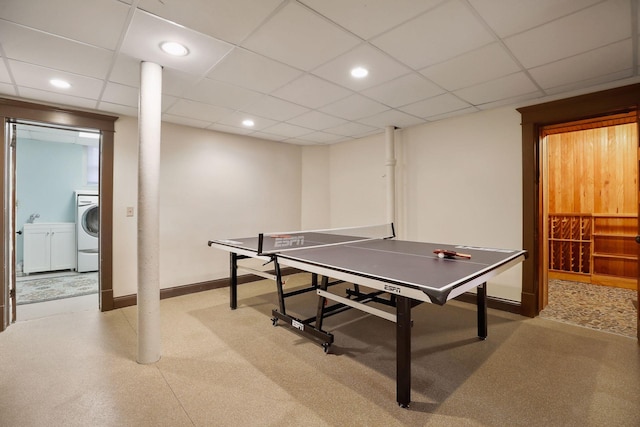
[
  {"x": 56, "y": 219},
  {"x": 13, "y": 111},
  {"x": 590, "y": 216}
]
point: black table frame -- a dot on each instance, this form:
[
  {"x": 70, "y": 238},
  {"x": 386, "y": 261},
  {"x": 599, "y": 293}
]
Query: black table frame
[{"x": 311, "y": 328}]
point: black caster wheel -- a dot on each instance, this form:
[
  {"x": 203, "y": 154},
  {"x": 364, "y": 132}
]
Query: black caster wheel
[
  {"x": 325, "y": 347},
  {"x": 274, "y": 321}
]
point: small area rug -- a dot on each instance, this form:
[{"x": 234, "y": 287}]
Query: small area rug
[
  {"x": 603, "y": 308},
  {"x": 32, "y": 289}
]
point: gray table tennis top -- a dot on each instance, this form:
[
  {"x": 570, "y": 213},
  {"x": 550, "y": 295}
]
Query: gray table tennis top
[{"x": 395, "y": 262}]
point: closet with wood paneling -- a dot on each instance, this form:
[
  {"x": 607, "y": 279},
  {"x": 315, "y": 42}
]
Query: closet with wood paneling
[{"x": 591, "y": 201}]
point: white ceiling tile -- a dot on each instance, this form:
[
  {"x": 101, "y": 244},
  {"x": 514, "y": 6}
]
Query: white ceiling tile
[
  {"x": 167, "y": 102},
  {"x": 120, "y": 94},
  {"x": 597, "y": 26},
  {"x": 598, "y": 62},
  {"x": 404, "y": 90},
  {"x": 495, "y": 90},
  {"x": 367, "y": 18},
  {"x": 311, "y": 92},
  {"x": 147, "y": 32},
  {"x": 297, "y": 36},
  {"x": 117, "y": 109},
  {"x": 34, "y": 77},
  {"x": 382, "y": 68},
  {"x": 452, "y": 46},
  {"x": 354, "y": 107},
  {"x": 229, "y": 20},
  {"x": 198, "y": 110},
  {"x": 223, "y": 94},
  {"x": 4, "y": 73},
  {"x": 177, "y": 83},
  {"x": 256, "y": 72},
  {"x": 269, "y": 136},
  {"x": 186, "y": 121},
  {"x": 434, "y": 106},
  {"x": 391, "y": 118},
  {"x": 110, "y": 14},
  {"x": 8, "y": 89},
  {"x": 487, "y": 63},
  {"x": 35, "y": 47},
  {"x": 323, "y": 137},
  {"x": 316, "y": 120},
  {"x": 274, "y": 108},
  {"x": 607, "y": 81},
  {"x": 288, "y": 130},
  {"x": 440, "y": 34},
  {"x": 351, "y": 129},
  {"x": 235, "y": 120},
  {"x": 455, "y": 113},
  {"x": 230, "y": 129},
  {"x": 57, "y": 98},
  {"x": 126, "y": 71},
  {"x": 508, "y": 17}
]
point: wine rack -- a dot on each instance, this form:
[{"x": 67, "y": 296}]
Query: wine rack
[{"x": 570, "y": 243}]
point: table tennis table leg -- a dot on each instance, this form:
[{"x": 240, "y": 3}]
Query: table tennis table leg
[
  {"x": 403, "y": 351},
  {"x": 280, "y": 286},
  {"x": 233, "y": 281},
  {"x": 321, "y": 303},
  {"x": 481, "y": 296}
]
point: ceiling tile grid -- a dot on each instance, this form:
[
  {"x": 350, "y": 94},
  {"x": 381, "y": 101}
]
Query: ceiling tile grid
[{"x": 285, "y": 64}]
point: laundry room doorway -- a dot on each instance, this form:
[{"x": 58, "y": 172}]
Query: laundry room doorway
[
  {"x": 56, "y": 220},
  {"x": 13, "y": 112}
]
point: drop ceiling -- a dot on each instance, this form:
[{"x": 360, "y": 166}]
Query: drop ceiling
[{"x": 285, "y": 63}]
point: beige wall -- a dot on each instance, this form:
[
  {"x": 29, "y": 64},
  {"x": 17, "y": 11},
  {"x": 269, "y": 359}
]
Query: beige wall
[
  {"x": 458, "y": 180},
  {"x": 357, "y": 182},
  {"x": 315, "y": 197},
  {"x": 212, "y": 185},
  {"x": 463, "y": 185}
]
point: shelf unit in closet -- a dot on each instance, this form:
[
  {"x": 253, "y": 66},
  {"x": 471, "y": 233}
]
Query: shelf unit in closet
[
  {"x": 594, "y": 248},
  {"x": 615, "y": 252}
]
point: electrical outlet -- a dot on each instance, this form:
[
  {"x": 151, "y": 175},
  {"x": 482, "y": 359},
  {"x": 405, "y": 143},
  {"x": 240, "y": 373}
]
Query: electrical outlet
[{"x": 129, "y": 210}]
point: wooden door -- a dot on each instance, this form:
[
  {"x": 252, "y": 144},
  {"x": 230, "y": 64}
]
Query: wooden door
[{"x": 638, "y": 235}]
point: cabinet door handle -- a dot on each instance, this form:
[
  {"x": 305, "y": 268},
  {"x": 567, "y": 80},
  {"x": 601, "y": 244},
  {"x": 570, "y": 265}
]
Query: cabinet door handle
[{"x": 637, "y": 239}]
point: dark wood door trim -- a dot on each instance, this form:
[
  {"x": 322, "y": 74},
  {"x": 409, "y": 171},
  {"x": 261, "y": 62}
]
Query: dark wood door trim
[
  {"x": 19, "y": 110},
  {"x": 612, "y": 101}
]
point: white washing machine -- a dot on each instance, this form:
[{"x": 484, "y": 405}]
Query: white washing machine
[{"x": 87, "y": 230}]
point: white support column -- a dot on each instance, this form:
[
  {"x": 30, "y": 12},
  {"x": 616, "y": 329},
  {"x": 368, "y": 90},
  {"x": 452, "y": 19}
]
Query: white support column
[
  {"x": 149, "y": 119},
  {"x": 391, "y": 173}
]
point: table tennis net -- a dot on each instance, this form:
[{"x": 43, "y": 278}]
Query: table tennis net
[{"x": 269, "y": 243}]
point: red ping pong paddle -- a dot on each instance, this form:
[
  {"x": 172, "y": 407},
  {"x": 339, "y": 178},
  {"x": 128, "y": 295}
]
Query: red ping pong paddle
[{"x": 446, "y": 253}]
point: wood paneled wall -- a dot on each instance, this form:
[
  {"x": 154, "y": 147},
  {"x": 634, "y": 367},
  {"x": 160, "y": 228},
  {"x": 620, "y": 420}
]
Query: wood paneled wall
[{"x": 593, "y": 171}]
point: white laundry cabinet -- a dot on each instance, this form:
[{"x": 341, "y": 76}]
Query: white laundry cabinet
[{"x": 49, "y": 247}]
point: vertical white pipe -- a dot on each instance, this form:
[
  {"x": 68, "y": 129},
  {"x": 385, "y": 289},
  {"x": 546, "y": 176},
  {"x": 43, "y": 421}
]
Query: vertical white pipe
[
  {"x": 391, "y": 173},
  {"x": 149, "y": 118}
]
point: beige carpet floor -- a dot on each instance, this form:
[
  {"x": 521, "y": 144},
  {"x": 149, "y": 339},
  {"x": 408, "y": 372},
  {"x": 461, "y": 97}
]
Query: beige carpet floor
[{"x": 234, "y": 368}]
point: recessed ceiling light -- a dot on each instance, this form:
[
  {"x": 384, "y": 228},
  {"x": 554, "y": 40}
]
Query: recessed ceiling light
[
  {"x": 173, "y": 48},
  {"x": 248, "y": 122},
  {"x": 61, "y": 84},
  {"x": 359, "y": 72}
]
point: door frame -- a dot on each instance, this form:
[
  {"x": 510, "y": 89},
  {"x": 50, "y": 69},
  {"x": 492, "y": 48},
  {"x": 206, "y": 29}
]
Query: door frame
[
  {"x": 11, "y": 110},
  {"x": 618, "y": 100}
]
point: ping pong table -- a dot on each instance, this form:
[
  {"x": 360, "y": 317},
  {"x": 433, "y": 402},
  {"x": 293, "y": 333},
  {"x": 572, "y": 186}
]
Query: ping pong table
[{"x": 396, "y": 273}]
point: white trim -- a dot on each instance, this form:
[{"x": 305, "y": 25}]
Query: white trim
[
  {"x": 362, "y": 307},
  {"x": 256, "y": 272}
]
